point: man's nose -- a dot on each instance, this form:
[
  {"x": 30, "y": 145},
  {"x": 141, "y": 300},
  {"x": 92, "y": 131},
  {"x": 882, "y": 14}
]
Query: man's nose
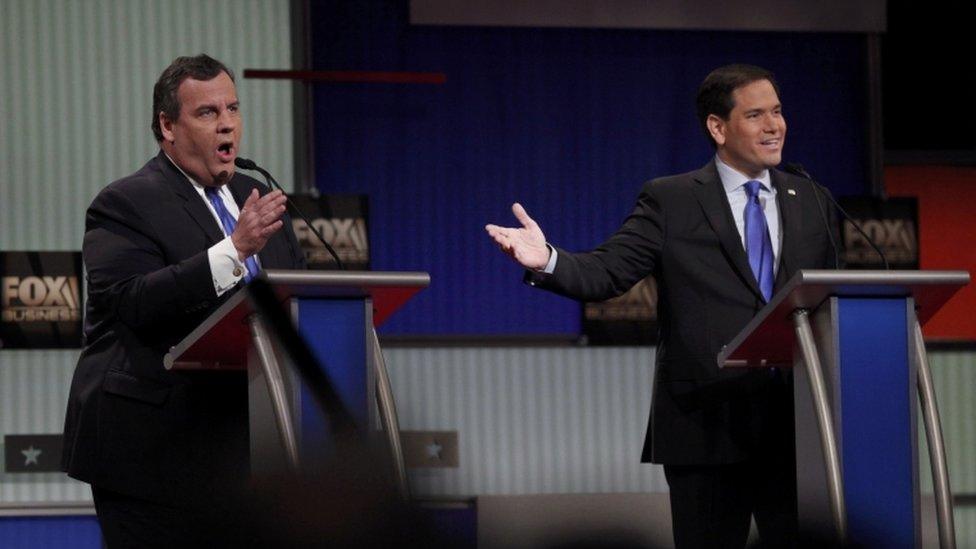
[{"x": 226, "y": 123}]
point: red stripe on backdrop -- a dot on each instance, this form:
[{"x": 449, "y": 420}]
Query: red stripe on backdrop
[
  {"x": 379, "y": 77},
  {"x": 947, "y": 236}
]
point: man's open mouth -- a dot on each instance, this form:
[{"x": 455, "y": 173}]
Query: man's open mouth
[{"x": 226, "y": 151}]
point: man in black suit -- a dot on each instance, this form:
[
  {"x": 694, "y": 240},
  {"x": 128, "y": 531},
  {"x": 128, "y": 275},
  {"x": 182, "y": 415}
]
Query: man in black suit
[
  {"x": 718, "y": 241},
  {"x": 163, "y": 248}
]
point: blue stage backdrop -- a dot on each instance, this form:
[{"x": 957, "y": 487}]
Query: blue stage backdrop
[{"x": 570, "y": 122}]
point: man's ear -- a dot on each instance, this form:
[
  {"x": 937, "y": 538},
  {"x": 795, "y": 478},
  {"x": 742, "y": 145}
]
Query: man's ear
[
  {"x": 166, "y": 128},
  {"x": 716, "y": 128}
]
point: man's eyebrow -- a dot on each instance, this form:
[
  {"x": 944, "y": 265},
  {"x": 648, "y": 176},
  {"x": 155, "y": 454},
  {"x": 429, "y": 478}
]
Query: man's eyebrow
[{"x": 764, "y": 109}]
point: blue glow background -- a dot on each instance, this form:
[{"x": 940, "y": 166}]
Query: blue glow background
[{"x": 570, "y": 122}]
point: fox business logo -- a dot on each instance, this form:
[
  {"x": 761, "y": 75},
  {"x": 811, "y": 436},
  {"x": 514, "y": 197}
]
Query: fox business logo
[
  {"x": 40, "y": 299},
  {"x": 896, "y": 237},
  {"x": 638, "y": 304},
  {"x": 346, "y": 234}
]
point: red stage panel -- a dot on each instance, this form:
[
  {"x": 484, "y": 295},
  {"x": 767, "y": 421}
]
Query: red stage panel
[{"x": 947, "y": 236}]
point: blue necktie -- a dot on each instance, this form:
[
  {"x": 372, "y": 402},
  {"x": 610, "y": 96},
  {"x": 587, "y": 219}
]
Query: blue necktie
[
  {"x": 758, "y": 244},
  {"x": 229, "y": 223}
]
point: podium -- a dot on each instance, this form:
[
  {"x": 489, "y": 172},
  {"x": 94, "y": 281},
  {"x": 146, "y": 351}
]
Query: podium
[
  {"x": 336, "y": 313},
  {"x": 854, "y": 340}
]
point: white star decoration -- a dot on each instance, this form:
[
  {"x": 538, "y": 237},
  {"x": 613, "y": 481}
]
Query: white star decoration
[
  {"x": 434, "y": 450},
  {"x": 30, "y": 455}
]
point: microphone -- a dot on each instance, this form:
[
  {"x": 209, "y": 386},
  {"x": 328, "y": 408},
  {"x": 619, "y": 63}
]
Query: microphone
[
  {"x": 246, "y": 164},
  {"x": 797, "y": 169}
]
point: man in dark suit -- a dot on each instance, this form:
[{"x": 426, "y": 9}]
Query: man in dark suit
[
  {"x": 718, "y": 241},
  {"x": 163, "y": 248}
]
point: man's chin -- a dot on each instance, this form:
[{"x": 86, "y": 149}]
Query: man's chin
[
  {"x": 224, "y": 176},
  {"x": 773, "y": 160}
]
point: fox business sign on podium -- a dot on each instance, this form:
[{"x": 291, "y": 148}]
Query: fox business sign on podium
[
  {"x": 40, "y": 300},
  {"x": 343, "y": 222}
]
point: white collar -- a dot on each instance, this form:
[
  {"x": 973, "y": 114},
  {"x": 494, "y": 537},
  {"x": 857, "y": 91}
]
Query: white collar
[
  {"x": 200, "y": 188},
  {"x": 732, "y": 178}
]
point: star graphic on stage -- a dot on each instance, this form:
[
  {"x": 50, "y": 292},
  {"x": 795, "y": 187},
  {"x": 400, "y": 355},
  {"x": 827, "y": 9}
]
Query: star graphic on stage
[
  {"x": 30, "y": 455},
  {"x": 434, "y": 450}
]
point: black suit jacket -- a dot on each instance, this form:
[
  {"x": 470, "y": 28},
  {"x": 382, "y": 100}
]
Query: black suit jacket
[
  {"x": 131, "y": 426},
  {"x": 682, "y": 232}
]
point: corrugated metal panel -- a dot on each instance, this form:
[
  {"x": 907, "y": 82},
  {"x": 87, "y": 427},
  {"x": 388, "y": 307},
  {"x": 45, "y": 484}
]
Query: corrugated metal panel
[
  {"x": 76, "y": 96},
  {"x": 965, "y": 518},
  {"x": 75, "y": 101},
  {"x": 571, "y": 419},
  {"x": 33, "y": 392},
  {"x": 954, "y": 377},
  {"x": 530, "y": 420}
]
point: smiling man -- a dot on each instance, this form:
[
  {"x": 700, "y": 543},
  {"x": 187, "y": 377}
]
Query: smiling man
[
  {"x": 718, "y": 241},
  {"x": 163, "y": 248}
]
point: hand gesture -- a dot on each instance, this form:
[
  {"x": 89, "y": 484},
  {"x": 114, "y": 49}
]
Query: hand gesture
[
  {"x": 260, "y": 218},
  {"x": 526, "y": 245}
]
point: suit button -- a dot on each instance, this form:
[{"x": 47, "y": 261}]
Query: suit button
[{"x": 238, "y": 271}]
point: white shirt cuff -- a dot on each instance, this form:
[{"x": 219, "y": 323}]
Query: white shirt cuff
[
  {"x": 227, "y": 270},
  {"x": 551, "y": 266}
]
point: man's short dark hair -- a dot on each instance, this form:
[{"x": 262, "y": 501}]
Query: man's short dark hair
[
  {"x": 165, "y": 99},
  {"x": 715, "y": 92}
]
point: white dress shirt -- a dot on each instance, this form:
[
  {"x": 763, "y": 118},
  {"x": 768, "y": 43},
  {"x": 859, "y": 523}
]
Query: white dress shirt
[
  {"x": 734, "y": 183},
  {"x": 226, "y": 268}
]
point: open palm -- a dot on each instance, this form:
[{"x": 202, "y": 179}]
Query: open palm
[{"x": 525, "y": 244}]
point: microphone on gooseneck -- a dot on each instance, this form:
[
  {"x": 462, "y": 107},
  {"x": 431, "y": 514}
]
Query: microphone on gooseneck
[
  {"x": 797, "y": 169},
  {"x": 246, "y": 164}
]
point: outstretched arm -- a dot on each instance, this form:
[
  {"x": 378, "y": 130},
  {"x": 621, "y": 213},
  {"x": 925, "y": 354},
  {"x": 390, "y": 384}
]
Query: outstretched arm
[{"x": 525, "y": 244}]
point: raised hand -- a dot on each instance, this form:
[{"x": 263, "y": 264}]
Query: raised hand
[
  {"x": 526, "y": 245},
  {"x": 260, "y": 218}
]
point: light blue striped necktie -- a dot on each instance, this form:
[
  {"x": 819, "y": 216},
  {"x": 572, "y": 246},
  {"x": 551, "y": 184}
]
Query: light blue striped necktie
[{"x": 229, "y": 223}]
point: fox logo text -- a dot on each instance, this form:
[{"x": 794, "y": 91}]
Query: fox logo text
[{"x": 40, "y": 299}]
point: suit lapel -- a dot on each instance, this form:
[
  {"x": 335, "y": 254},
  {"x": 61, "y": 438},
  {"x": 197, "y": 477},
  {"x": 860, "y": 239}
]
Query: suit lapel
[
  {"x": 790, "y": 215},
  {"x": 715, "y": 205},
  {"x": 192, "y": 202}
]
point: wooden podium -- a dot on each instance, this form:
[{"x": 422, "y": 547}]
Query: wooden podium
[
  {"x": 855, "y": 341},
  {"x": 336, "y": 313}
]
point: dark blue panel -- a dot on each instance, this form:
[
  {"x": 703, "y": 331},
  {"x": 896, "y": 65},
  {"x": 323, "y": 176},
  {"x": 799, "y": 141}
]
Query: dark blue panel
[
  {"x": 878, "y": 447},
  {"x": 72, "y": 532},
  {"x": 570, "y": 122},
  {"x": 335, "y": 332},
  {"x": 455, "y": 525}
]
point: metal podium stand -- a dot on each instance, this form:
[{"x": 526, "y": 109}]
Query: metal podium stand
[
  {"x": 336, "y": 313},
  {"x": 854, "y": 338}
]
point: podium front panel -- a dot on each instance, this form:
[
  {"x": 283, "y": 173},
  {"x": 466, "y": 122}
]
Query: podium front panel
[
  {"x": 877, "y": 426},
  {"x": 866, "y": 349},
  {"x": 335, "y": 331}
]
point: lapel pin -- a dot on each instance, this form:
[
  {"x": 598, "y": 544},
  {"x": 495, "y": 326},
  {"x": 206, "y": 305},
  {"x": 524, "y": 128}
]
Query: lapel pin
[{"x": 791, "y": 191}]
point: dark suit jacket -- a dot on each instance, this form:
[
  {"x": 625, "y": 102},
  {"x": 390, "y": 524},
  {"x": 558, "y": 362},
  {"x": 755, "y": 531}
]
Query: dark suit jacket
[
  {"x": 682, "y": 232},
  {"x": 131, "y": 426}
]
